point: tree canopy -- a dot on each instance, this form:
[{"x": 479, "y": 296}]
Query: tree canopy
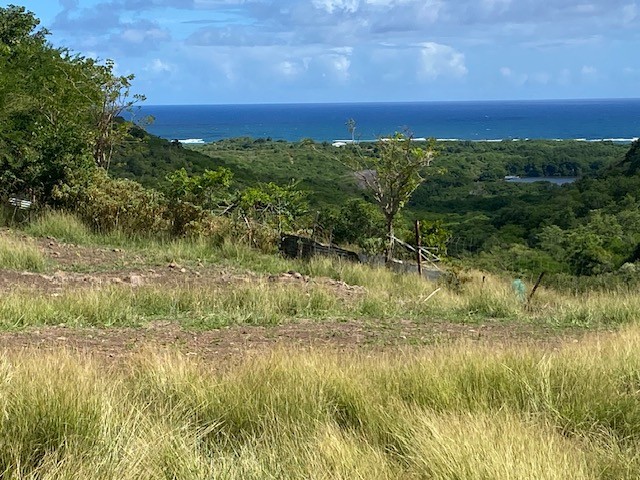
[{"x": 57, "y": 109}]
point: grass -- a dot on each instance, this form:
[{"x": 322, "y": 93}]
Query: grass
[
  {"x": 63, "y": 226},
  {"x": 454, "y": 412},
  {"x": 358, "y": 292},
  {"x": 20, "y": 255},
  {"x": 457, "y": 411}
]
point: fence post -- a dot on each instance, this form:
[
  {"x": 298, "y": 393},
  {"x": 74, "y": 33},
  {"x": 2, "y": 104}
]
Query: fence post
[{"x": 419, "y": 247}]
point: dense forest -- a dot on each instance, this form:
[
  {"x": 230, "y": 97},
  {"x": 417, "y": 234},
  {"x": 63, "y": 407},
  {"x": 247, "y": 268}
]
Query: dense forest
[
  {"x": 63, "y": 144},
  {"x": 586, "y": 227}
]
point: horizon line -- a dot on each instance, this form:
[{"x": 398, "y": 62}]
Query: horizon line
[{"x": 392, "y": 102}]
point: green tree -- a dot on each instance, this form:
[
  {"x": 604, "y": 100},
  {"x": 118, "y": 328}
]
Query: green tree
[
  {"x": 278, "y": 207},
  {"x": 192, "y": 198},
  {"x": 56, "y": 109},
  {"x": 392, "y": 171},
  {"x": 355, "y": 222}
]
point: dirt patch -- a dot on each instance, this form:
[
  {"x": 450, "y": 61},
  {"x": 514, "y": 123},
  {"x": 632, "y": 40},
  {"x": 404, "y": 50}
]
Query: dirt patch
[{"x": 232, "y": 344}]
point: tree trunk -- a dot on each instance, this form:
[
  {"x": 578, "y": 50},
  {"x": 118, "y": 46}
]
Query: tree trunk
[{"x": 388, "y": 253}]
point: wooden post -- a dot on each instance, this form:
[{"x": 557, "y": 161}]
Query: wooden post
[
  {"x": 535, "y": 287},
  {"x": 419, "y": 247}
]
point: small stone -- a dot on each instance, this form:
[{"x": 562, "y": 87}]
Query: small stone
[
  {"x": 183, "y": 270},
  {"x": 55, "y": 254},
  {"x": 135, "y": 280},
  {"x": 173, "y": 265}
]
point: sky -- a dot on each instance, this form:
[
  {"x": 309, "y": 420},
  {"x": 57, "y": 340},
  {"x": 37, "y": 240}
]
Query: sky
[{"x": 310, "y": 51}]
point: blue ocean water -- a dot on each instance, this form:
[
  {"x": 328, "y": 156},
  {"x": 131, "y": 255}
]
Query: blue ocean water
[{"x": 617, "y": 119}]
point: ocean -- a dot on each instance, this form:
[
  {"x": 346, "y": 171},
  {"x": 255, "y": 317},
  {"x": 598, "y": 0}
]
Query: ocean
[{"x": 588, "y": 120}]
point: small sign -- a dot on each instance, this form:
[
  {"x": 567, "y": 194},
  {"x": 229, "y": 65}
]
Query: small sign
[{"x": 20, "y": 203}]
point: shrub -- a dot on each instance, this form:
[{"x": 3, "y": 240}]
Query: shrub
[{"x": 109, "y": 204}]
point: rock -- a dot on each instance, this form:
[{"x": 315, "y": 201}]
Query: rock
[
  {"x": 183, "y": 270},
  {"x": 55, "y": 254},
  {"x": 134, "y": 280},
  {"x": 173, "y": 265}
]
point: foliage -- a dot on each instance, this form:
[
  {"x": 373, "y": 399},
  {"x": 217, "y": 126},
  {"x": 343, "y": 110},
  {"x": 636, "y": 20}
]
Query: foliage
[
  {"x": 56, "y": 109},
  {"x": 123, "y": 205},
  {"x": 391, "y": 171},
  {"x": 281, "y": 208},
  {"x": 433, "y": 235},
  {"x": 116, "y": 99},
  {"x": 356, "y": 222},
  {"x": 192, "y": 199}
]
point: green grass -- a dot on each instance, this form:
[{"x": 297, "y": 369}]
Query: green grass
[
  {"x": 453, "y": 412},
  {"x": 16, "y": 254}
]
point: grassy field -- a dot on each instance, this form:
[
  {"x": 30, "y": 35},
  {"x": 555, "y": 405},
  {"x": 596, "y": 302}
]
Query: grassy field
[
  {"x": 452, "y": 412},
  {"x": 320, "y": 369}
]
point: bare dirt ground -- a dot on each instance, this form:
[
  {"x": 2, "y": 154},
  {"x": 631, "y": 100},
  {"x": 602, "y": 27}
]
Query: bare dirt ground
[{"x": 77, "y": 267}]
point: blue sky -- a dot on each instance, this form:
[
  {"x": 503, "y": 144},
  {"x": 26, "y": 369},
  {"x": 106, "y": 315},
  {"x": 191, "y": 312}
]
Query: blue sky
[{"x": 291, "y": 51}]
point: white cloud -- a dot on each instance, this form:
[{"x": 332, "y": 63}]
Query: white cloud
[
  {"x": 514, "y": 77},
  {"x": 142, "y": 35},
  {"x": 337, "y": 66},
  {"x": 437, "y": 60},
  {"x": 158, "y": 66},
  {"x": 630, "y": 12},
  {"x": 293, "y": 68},
  {"x": 588, "y": 71},
  {"x": 331, "y": 6}
]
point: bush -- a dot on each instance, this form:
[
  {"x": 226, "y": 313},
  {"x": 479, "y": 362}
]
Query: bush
[{"x": 108, "y": 204}]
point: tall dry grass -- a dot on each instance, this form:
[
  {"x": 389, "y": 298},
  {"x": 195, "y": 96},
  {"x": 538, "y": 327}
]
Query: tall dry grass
[{"x": 453, "y": 412}]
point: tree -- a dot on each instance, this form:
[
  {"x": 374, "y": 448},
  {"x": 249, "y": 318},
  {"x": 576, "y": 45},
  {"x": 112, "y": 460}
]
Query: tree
[
  {"x": 351, "y": 126},
  {"x": 115, "y": 100},
  {"x": 192, "y": 198},
  {"x": 280, "y": 207},
  {"x": 57, "y": 110},
  {"x": 392, "y": 171},
  {"x": 44, "y": 97}
]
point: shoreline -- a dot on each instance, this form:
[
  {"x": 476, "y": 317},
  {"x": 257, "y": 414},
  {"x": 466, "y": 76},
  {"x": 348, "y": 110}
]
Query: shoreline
[{"x": 342, "y": 142}]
